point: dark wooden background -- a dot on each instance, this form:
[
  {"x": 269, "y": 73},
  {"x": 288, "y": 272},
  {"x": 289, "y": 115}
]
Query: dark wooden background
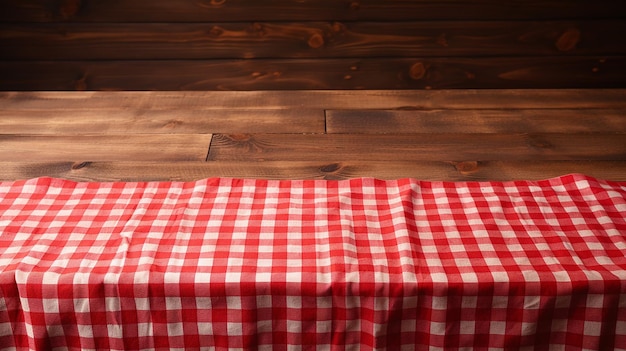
[{"x": 311, "y": 44}]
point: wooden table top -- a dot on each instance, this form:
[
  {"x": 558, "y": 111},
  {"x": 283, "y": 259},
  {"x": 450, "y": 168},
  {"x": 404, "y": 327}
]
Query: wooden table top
[{"x": 430, "y": 135}]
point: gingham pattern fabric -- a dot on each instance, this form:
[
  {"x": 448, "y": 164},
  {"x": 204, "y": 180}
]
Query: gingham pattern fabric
[{"x": 358, "y": 264}]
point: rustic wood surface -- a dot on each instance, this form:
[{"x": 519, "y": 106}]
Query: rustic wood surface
[
  {"x": 139, "y": 102},
  {"x": 327, "y": 73},
  {"x": 242, "y": 45},
  {"x": 475, "y": 121},
  {"x": 432, "y": 135},
  {"x": 187, "y": 171},
  {"x": 176, "y": 41},
  {"x": 153, "y": 147},
  {"x": 254, "y": 10},
  {"x": 407, "y": 147},
  {"x": 115, "y": 120}
]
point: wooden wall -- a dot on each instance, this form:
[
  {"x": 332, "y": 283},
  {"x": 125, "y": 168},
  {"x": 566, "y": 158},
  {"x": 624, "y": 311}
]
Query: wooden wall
[{"x": 311, "y": 44}]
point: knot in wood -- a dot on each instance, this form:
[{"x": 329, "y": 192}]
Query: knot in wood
[
  {"x": 417, "y": 71},
  {"x": 330, "y": 168},
  {"x": 355, "y": 6},
  {"x": 316, "y": 41},
  {"x": 216, "y": 31},
  {"x": 69, "y": 8},
  {"x": 568, "y": 40},
  {"x": 258, "y": 28},
  {"x": 218, "y": 2},
  {"x": 172, "y": 124},
  {"x": 80, "y": 165},
  {"x": 466, "y": 167},
  {"x": 338, "y": 27}
]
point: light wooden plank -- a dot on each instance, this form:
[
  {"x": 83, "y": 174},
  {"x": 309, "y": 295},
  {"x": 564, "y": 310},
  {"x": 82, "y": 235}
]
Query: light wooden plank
[
  {"x": 130, "y": 120},
  {"x": 477, "y": 121},
  {"x": 424, "y": 170},
  {"x": 85, "y": 148},
  {"x": 417, "y": 147},
  {"x": 315, "y": 99}
]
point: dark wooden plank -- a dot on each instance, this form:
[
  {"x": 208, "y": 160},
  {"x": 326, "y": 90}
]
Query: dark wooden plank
[
  {"x": 416, "y": 147},
  {"x": 254, "y": 10},
  {"x": 476, "y": 121},
  {"x": 123, "y": 120},
  {"x": 145, "y": 102},
  {"x": 85, "y": 148},
  {"x": 424, "y": 170},
  {"x": 84, "y": 41},
  {"x": 406, "y": 73}
]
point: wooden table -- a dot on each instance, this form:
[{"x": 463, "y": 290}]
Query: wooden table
[{"x": 431, "y": 135}]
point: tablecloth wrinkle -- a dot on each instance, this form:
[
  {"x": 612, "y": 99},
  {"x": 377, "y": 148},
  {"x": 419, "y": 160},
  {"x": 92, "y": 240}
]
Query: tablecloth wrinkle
[{"x": 359, "y": 264}]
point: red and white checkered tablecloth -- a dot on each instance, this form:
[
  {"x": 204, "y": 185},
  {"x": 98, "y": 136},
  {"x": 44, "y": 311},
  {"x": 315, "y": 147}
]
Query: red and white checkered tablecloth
[{"x": 313, "y": 265}]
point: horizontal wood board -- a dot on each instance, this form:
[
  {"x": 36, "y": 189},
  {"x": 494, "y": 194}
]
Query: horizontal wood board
[
  {"x": 433, "y": 135},
  {"x": 417, "y": 147},
  {"x": 475, "y": 121},
  {"x": 87, "y": 148},
  {"x": 281, "y": 40},
  {"x": 280, "y": 10},
  {"x": 425, "y": 170},
  {"x": 314, "y": 74},
  {"x": 116, "y": 120},
  {"x": 287, "y": 101}
]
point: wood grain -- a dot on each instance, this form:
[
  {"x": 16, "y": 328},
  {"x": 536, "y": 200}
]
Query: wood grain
[
  {"x": 424, "y": 170},
  {"x": 476, "y": 121},
  {"x": 417, "y": 147},
  {"x": 130, "y": 136},
  {"x": 243, "y": 45},
  {"x": 145, "y": 102},
  {"x": 158, "y": 41},
  {"x": 382, "y": 73},
  {"x": 254, "y": 10},
  {"x": 88, "y": 148},
  {"x": 71, "y": 120}
]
